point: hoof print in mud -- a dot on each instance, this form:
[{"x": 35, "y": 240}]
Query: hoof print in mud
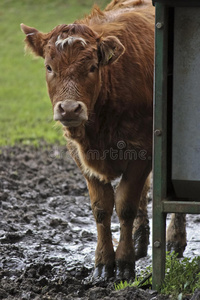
[{"x": 124, "y": 270}]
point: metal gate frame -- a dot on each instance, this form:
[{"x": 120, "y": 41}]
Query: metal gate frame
[{"x": 163, "y": 200}]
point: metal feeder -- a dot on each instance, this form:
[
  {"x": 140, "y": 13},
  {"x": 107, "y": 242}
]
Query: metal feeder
[{"x": 176, "y": 165}]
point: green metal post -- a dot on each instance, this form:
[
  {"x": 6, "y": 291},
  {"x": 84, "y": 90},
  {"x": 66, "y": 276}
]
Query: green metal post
[{"x": 160, "y": 144}]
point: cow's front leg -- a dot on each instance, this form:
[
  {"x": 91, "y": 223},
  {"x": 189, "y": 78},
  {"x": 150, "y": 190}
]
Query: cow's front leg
[
  {"x": 127, "y": 202},
  {"x": 102, "y": 200}
]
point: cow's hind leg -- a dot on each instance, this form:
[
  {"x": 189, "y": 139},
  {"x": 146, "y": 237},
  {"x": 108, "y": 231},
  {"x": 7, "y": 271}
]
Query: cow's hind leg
[
  {"x": 141, "y": 228},
  {"x": 176, "y": 234},
  {"x": 102, "y": 201},
  {"x": 127, "y": 201}
]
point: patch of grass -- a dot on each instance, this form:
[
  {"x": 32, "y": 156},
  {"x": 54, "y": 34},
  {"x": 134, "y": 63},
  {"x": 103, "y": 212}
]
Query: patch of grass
[
  {"x": 182, "y": 277},
  {"x": 25, "y": 109}
]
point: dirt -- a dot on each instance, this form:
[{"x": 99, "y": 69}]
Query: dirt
[{"x": 47, "y": 231}]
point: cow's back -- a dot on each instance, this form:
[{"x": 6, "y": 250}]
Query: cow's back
[{"x": 134, "y": 27}]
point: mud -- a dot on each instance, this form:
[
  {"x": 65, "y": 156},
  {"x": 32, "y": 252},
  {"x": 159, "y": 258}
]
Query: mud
[{"x": 47, "y": 231}]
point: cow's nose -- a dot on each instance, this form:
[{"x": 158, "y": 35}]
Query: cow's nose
[
  {"x": 69, "y": 109},
  {"x": 70, "y": 113}
]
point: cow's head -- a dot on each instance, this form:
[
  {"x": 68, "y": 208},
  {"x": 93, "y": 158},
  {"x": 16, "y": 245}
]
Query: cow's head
[{"x": 74, "y": 57}]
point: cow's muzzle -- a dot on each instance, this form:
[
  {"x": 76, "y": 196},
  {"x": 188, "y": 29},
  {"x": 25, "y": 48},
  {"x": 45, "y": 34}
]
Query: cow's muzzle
[{"x": 70, "y": 113}]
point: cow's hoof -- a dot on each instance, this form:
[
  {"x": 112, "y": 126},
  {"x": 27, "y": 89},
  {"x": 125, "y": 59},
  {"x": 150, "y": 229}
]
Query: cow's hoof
[
  {"x": 141, "y": 241},
  {"x": 103, "y": 272},
  {"x": 176, "y": 247},
  {"x": 124, "y": 270}
]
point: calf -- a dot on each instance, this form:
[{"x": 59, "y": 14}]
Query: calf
[{"x": 99, "y": 73}]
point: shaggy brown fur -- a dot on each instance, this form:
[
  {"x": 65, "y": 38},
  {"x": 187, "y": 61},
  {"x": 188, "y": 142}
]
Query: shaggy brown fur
[{"x": 100, "y": 82}]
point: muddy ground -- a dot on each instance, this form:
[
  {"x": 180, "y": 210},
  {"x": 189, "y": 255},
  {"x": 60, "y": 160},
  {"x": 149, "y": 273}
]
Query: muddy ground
[{"x": 47, "y": 231}]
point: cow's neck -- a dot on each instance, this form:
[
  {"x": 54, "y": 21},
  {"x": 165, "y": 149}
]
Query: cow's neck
[{"x": 103, "y": 122}]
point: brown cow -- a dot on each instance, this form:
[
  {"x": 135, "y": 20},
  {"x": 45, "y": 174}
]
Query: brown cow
[{"x": 99, "y": 73}]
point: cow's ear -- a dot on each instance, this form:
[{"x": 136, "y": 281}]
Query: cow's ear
[
  {"x": 34, "y": 40},
  {"x": 109, "y": 50}
]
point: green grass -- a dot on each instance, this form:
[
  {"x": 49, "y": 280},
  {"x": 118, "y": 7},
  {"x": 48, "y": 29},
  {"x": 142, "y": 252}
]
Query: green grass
[
  {"x": 182, "y": 277},
  {"x": 25, "y": 109}
]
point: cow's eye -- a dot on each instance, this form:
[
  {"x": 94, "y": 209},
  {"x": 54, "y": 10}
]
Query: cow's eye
[
  {"x": 49, "y": 69},
  {"x": 92, "y": 68}
]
